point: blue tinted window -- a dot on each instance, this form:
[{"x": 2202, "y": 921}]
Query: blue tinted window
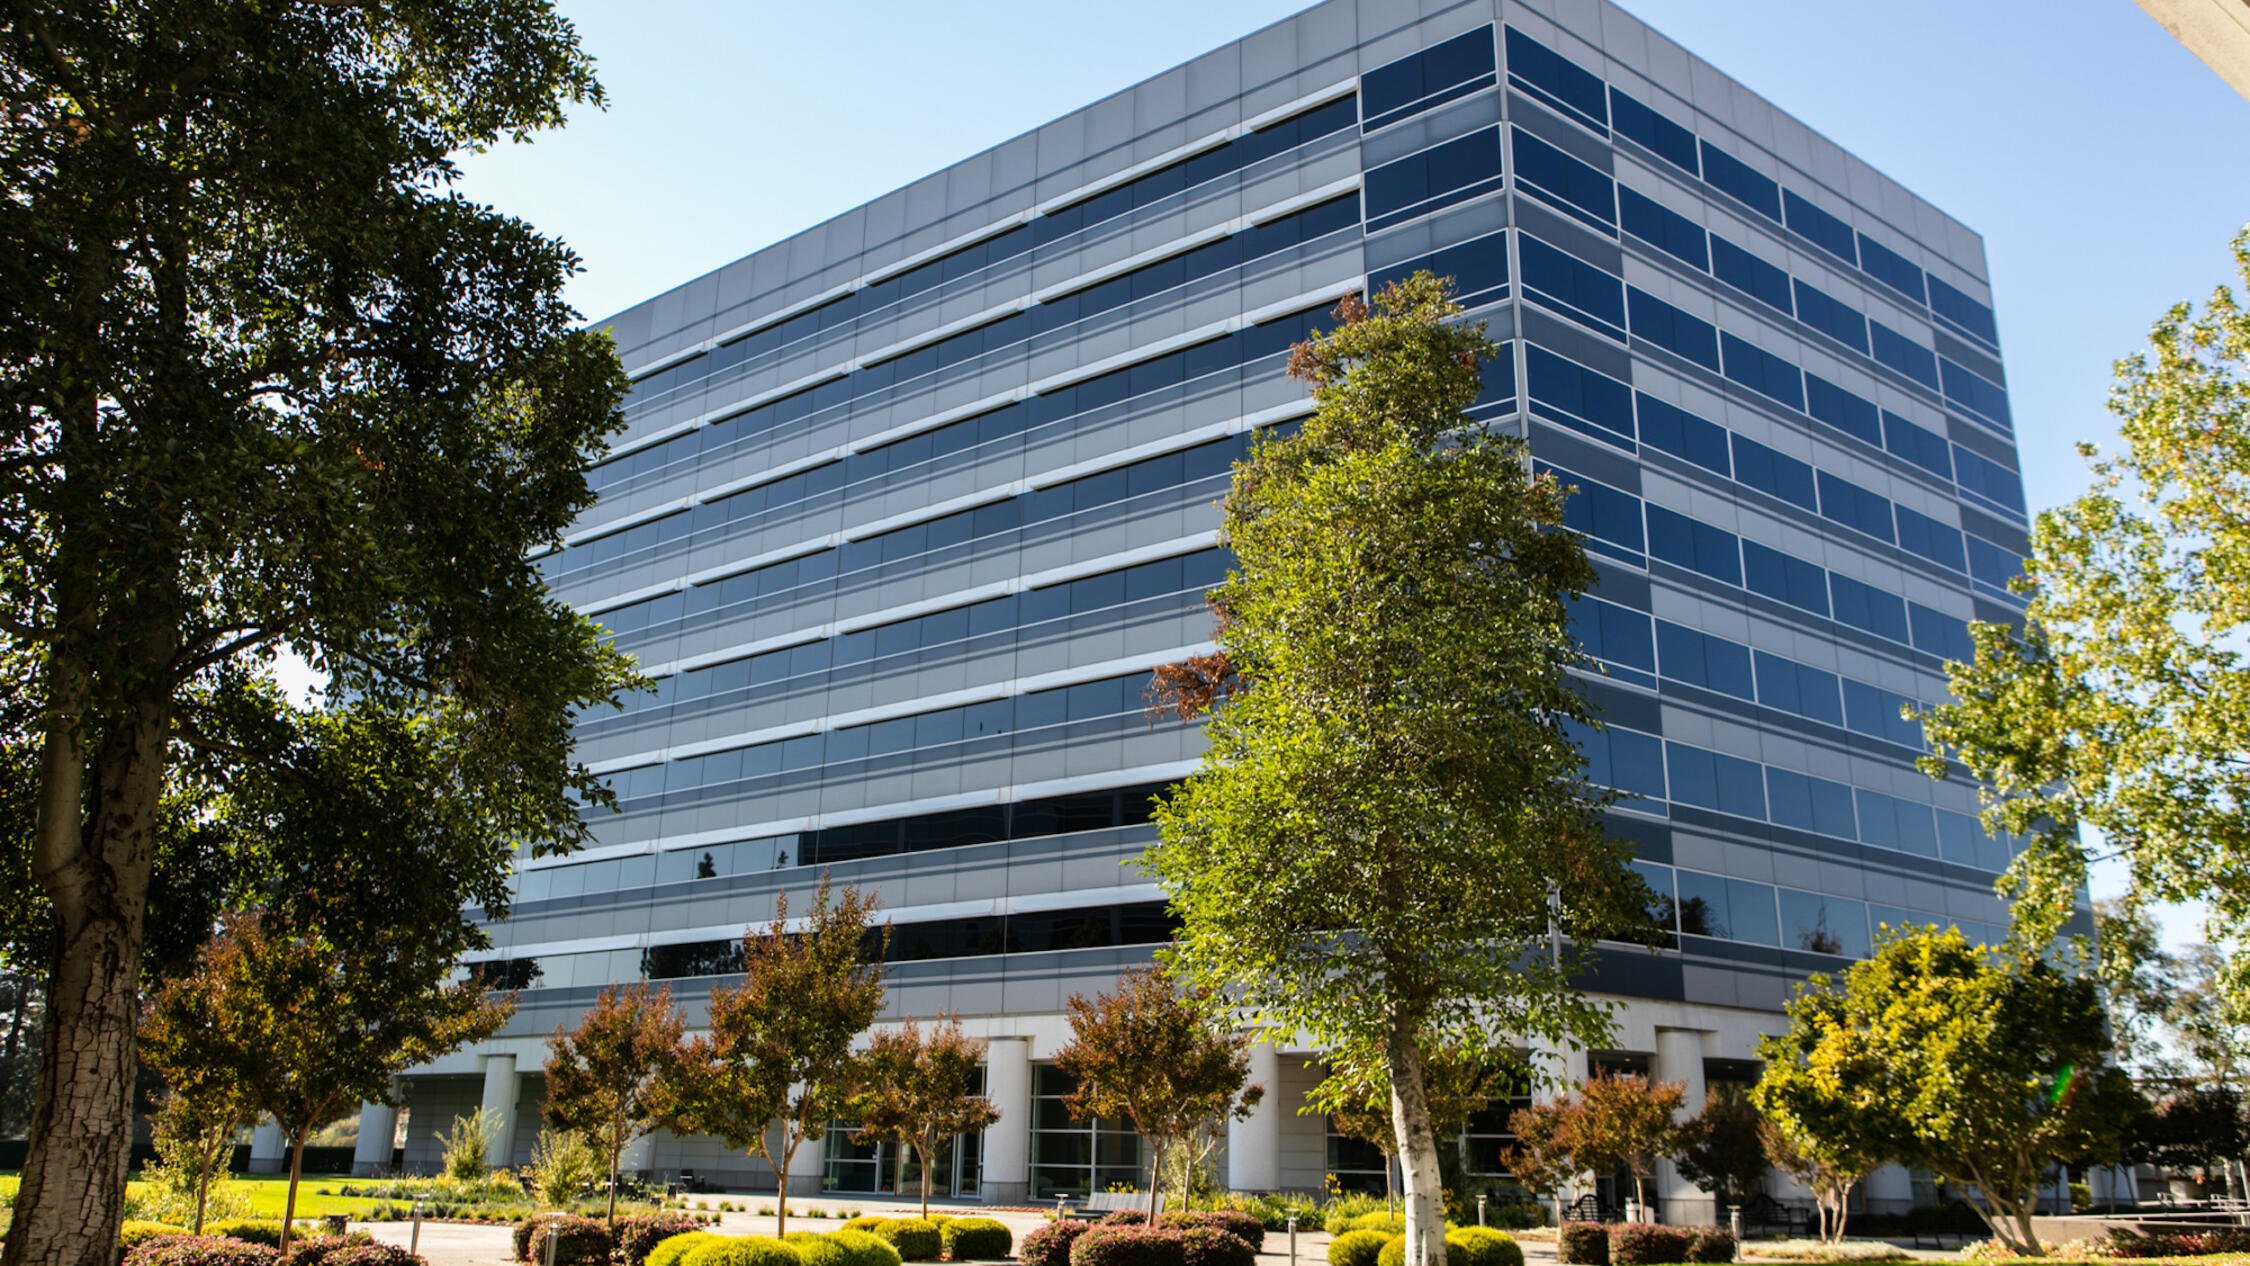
[
  {"x": 1556, "y": 79},
  {"x": 1666, "y": 139},
  {"x": 1673, "y": 330},
  {"x": 1749, "y": 274},
  {"x": 1783, "y": 578},
  {"x": 1729, "y": 909},
  {"x": 1925, "y": 537},
  {"x": 1702, "y": 660},
  {"x": 1763, "y": 372},
  {"x": 1439, "y": 176},
  {"x": 1730, "y": 175},
  {"x": 1727, "y": 784},
  {"x": 1562, "y": 179},
  {"x": 1437, "y": 74},
  {"x": 1977, "y": 394},
  {"x": 1847, "y": 411},
  {"x": 1876, "y": 712},
  {"x": 1682, "y": 434},
  {"x": 1479, "y": 269},
  {"x": 1889, "y": 822},
  {"x": 1963, "y": 313},
  {"x": 1775, "y": 474},
  {"x": 1601, "y": 511},
  {"x": 1663, "y": 228},
  {"x": 1941, "y": 634},
  {"x": 1818, "y": 227},
  {"x": 1853, "y": 506},
  {"x": 1823, "y": 925},
  {"x": 1563, "y": 280},
  {"x": 1839, "y": 321},
  {"x": 1811, "y": 804},
  {"x": 1614, "y": 633},
  {"x": 1578, "y": 393},
  {"x": 1992, "y": 565},
  {"x": 1891, "y": 268},
  {"x": 1962, "y": 841},
  {"x": 1630, "y": 761},
  {"x": 1699, "y": 547},
  {"x": 1988, "y": 479},
  {"x": 1798, "y": 688},
  {"x": 1919, "y": 445},
  {"x": 1903, "y": 354},
  {"x": 1867, "y": 608}
]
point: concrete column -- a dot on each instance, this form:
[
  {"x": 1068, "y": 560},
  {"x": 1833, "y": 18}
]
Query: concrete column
[
  {"x": 378, "y": 1127},
  {"x": 502, "y": 1086},
  {"x": 1887, "y": 1189},
  {"x": 1679, "y": 1057},
  {"x": 1563, "y": 1070},
  {"x": 1254, "y": 1144},
  {"x": 269, "y": 1151},
  {"x": 1007, "y": 1141},
  {"x": 805, "y": 1168}
]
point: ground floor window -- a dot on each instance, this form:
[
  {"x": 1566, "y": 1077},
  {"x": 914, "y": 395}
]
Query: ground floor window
[
  {"x": 882, "y": 1166},
  {"x": 1077, "y": 1158}
]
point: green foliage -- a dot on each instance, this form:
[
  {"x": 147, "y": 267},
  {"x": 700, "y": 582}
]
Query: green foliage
[
  {"x": 1986, "y": 1070},
  {"x": 966, "y": 1238},
  {"x": 579, "y": 1241},
  {"x": 1392, "y": 1223},
  {"x": 916, "y": 1239},
  {"x": 1359, "y": 1248},
  {"x": 1721, "y": 1150},
  {"x": 194, "y": 1138},
  {"x": 671, "y": 1250},
  {"x": 1337, "y": 1214},
  {"x": 466, "y": 1146},
  {"x": 916, "y": 1090},
  {"x": 266, "y": 1231},
  {"x": 2121, "y": 707},
  {"x": 1582, "y": 1244},
  {"x": 743, "y": 1250},
  {"x": 606, "y": 1078},
  {"x": 565, "y": 1166},
  {"x": 865, "y": 1247},
  {"x": 136, "y": 1231},
  {"x": 1482, "y": 1246},
  {"x": 865, "y": 1222},
  {"x": 1710, "y": 1244},
  {"x": 1391, "y": 730},
  {"x": 815, "y": 1249}
]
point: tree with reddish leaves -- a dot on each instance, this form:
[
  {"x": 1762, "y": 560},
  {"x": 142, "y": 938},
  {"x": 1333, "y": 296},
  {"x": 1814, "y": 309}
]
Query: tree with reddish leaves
[
  {"x": 607, "y": 1077},
  {"x": 915, "y": 1089}
]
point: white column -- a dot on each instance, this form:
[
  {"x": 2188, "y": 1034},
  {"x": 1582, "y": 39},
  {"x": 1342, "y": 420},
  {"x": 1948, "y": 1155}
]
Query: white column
[
  {"x": 269, "y": 1151},
  {"x": 501, "y": 1088},
  {"x": 805, "y": 1167},
  {"x": 1679, "y": 1057},
  {"x": 1007, "y": 1141},
  {"x": 1254, "y": 1143},
  {"x": 378, "y": 1127}
]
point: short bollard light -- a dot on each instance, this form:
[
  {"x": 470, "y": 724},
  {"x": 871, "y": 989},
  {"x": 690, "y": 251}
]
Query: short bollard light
[
  {"x": 1734, "y": 1223},
  {"x": 1480, "y": 1210},
  {"x": 414, "y": 1236},
  {"x": 1292, "y": 1239},
  {"x": 554, "y": 1235}
]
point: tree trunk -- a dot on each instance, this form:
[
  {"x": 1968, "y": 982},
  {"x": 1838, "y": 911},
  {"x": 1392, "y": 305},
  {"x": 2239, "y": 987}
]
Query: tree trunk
[
  {"x": 923, "y": 1150},
  {"x": 93, "y": 849},
  {"x": 1155, "y": 1176},
  {"x": 1417, "y": 1147},
  {"x": 790, "y": 1138},
  {"x": 616, "y": 1162},
  {"x": 296, "y": 1169}
]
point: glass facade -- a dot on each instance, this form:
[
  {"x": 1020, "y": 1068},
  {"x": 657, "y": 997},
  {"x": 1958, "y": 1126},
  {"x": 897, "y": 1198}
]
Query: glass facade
[{"x": 908, "y": 507}]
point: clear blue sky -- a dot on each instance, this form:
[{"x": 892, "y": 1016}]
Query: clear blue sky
[{"x": 2101, "y": 162}]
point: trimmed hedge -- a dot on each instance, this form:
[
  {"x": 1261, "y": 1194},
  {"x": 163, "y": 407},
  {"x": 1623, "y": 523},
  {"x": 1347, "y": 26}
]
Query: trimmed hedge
[
  {"x": 1049, "y": 1245},
  {"x": 743, "y": 1250},
  {"x": 637, "y": 1234},
  {"x": 1645, "y": 1244},
  {"x": 1212, "y": 1246},
  {"x": 1248, "y": 1226},
  {"x": 1582, "y": 1244},
  {"x": 672, "y": 1250},
  {"x": 202, "y": 1250},
  {"x": 578, "y": 1241},
  {"x": 1129, "y": 1246},
  {"x": 1482, "y": 1246},
  {"x": 1710, "y": 1244},
  {"x": 1357, "y": 1248},
  {"x": 916, "y": 1239},
  {"x": 967, "y": 1238}
]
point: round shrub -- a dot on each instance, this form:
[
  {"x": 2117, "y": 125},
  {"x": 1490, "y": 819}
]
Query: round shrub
[
  {"x": 371, "y": 1254},
  {"x": 1394, "y": 1252},
  {"x": 817, "y": 1249},
  {"x": 1582, "y": 1244},
  {"x": 916, "y": 1239},
  {"x": 578, "y": 1241},
  {"x": 1211, "y": 1246},
  {"x": 1357, "y": 1248},
  {"x": 671, "y": 1250},
  {"x": 1234, "y": 1221},
  {"x": 1710, "y": 1244},
  {"x": 1049, "y": 1245},
  {"x": 975, "y": 1238},
  {"x": 202, "y": 1250},
  {"x": 248, "y": 1230},
  {"x": 638, "y": 1233},
  {"x": 743, "y": 1250},
  {"x": 321, "y": 1250},
  {"x": 1129, "y": 1246},
  {"x": 866, "y": 1248},
  {"x": 867, "y": 1222},
  {"x": 1644, "y": 1244},
  {"x": 1390, "y": 1223},
  {"x": 522, "y": 1233},
  {"x": 1482, "y": 1246}
]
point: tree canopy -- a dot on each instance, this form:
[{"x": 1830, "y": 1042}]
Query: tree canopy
[
  {"x": 915, "y": 1088},
  {"x": 1391, "y": 834},
  {"x": 606, "y": 1078},
  {"x": 269, "y": 384}
]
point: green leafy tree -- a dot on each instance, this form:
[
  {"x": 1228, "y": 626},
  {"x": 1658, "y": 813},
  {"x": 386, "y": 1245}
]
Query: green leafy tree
[
  {"x": 1625, "y": 1121},
  {"x": 2122, "y": 704},
  {"x": 465, "y": 1147},
  {"x": 1822, "y": 1167},
  {"x": 1722, "y": 1150},
  {"x": 308, "y": 1026},
  {"x": 915, "y": 1089},
  {"x": 1150, "y": 1055},
  {"x": 2189, "y": 1130},
  {"x": 779, "y": 1050},
  {"x": 1391, "y": 845},
  {"x": 1356, "y": 1096},
  {"x": 194, "y": 1136},
  {"x": 267, "y": 382},
  {"x": 606, "y": 1078},
  {"x": 1985, "y": 1069}
]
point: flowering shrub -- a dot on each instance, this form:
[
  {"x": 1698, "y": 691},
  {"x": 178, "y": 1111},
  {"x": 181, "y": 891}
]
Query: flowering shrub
[
  {"x": 321, "y": 1250},
  {"x": 2180, "y": 1243},
  {"x": 202, "y": 1250},
  {"x": 1129, "y": 1246},
  {"x": 1642, "y": 1244},
  {"x": 1049, "y": 1245},
  {"x": 639, "y": 1233},
  {"x": 371, "y": 1254},
  {"x": 1248, "y": 1226},
  {"x": 1211, "y": 1246},
  {"x": 578, "y": 1241},
  {"x": 1126, "y": 1217},
  {"x": 1582, "y": 1244}
]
